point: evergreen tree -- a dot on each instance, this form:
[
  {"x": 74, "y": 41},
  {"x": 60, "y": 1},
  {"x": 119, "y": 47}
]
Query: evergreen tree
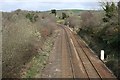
[
  {"x": 53, "y": 11},
  {"x": 64, "y": 15},
  {"x": 110, "y": 10}
]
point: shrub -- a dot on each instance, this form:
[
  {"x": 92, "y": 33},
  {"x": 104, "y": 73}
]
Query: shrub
[
  {"x": 64, "y": 15},
  {"x": 32, "y": 17},
  {"x": 22, "y": 40},
  {"x": 18, "y": 46},
  {"x": 29, "y": 16},
  {"x": 53, "y": 11},
  {"x": 73, "y": 21},
  {"x": 113, "y": 65}
]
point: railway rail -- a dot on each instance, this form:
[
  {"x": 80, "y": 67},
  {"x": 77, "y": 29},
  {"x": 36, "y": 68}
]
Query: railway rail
[{"x": 77, "y": 60}]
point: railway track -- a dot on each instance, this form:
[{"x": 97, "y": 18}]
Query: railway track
[
  {"x": 76, "y": 60},
  {"x": 93, "y": 67}
]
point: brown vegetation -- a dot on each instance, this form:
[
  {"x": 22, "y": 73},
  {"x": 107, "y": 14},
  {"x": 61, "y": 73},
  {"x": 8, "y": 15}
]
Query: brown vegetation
[{"x": 22, "y": 38}]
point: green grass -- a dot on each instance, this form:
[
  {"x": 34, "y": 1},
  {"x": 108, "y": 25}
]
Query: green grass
[{"x": 39, "y": 61}]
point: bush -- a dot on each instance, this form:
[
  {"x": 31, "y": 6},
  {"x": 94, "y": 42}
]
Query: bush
[
  {"x": 22, "y": 40},
  {"x": 73, "y": 22},
  {"x": 18, "y": 46},
  {"x": 53, "y": 11},
  {"x": 31, "y": 17},
  {"x": 64, "y": 15},
  {"x": 113, "y": 65},
  {"x": 91, "y": 21}
]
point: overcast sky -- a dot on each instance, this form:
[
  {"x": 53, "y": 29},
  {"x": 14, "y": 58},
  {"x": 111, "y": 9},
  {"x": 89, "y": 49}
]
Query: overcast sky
[{"x": 44, "y": 5}]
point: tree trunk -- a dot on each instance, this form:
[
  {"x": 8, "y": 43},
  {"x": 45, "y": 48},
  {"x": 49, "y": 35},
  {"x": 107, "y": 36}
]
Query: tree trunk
[{"x": 119, "y": 12}]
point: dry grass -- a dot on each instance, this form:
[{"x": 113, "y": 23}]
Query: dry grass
[{"x": 22, "y": 39}]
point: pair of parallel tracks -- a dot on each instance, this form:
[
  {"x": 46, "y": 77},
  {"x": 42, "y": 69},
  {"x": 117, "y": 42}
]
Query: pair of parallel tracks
[{"x": 82, "y": 62}]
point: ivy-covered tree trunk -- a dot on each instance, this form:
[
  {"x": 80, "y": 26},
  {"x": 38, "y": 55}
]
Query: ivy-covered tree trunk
[
  {"x": 119, "y": 12},
  {"x": 118, "y": 42}
]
